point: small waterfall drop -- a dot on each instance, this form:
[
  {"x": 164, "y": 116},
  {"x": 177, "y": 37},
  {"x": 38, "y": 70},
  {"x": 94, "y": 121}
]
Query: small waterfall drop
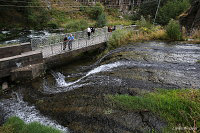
[
  {"x": 60, "y": 78},
  {"x": 15, "y": 106}
]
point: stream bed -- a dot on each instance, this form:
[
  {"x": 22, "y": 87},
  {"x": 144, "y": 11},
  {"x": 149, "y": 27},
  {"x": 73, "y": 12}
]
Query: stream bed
[{"x": 73, "y": 98}]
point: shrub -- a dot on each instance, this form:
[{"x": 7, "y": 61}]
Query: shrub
[
  {"x": 76, "y": 26},
  {"x": 118, "y": 38},
  {"x": 196, "y": 34},
  {"x": 113, "y": 12},
  {"x": 171, "y": 10},
  {"x": 143, "y": 23},
  {"x": 93, "y": 11},
  {"x": 101, "y": 20},
  {"x": 53, "y": 25},
  {"x": 2, "y": 37},
  {"x": 37, "y": 18},
  {"x": 97, "y": 10},
  {"x": 148, "y": 9},
  {"x": 173, "y": 30},
  {"x": 158, "y": 35}
]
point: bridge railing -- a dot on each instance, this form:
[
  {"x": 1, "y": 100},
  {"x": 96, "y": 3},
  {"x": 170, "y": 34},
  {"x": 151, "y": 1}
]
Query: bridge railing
[{"x": 53, "y": 45}]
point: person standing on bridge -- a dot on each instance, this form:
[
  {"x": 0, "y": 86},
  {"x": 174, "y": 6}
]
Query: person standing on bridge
[
  {"x": 92, "y": 30},
  {"x": 89, "y": 32},
  {"x": 71, "y": 39},
  {"x": 65, "y": 42}
]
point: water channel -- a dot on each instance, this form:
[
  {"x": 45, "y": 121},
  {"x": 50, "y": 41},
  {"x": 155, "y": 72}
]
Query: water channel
[
  {"x": 23, "y": 36},
  {"x": 73, "y": 98}
]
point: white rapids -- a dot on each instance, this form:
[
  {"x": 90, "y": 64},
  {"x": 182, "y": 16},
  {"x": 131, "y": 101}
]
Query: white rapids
[
  {"x": 28, "y": 113},
  {"x": 60, "y": 78}
]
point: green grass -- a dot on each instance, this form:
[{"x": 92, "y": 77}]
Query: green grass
[
  {"x": 112, "y": 20},
  {"x": 16, "y": 125},
  {"x": 119, "y": 38},
  {"x": 177, "y": 107},
  {"x": 74, "y": 26}
]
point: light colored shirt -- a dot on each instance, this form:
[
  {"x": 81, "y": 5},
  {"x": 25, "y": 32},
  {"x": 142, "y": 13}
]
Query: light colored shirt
[
  {"x": 88, "y": 30},
  {"x": 70, "y": 38}
]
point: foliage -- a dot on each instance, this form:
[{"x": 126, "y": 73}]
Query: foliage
[
  {"x": 118, "y": 38},
  {"x": 93, "y": 11},
  {"x": 178, "y": 106},
  {"x": 142, "y": 23},
  {"x": 113, "y": 12},
  {"x": 97, "y": 13},
  {"x": 195, "y": 34},
  {"x": 6, "y": 129},
  {"x": 53, "y": 25},
  {"x": 112, "y": 21},
  {"x": 171, "y": 10},
  {"x": 148, "y": 9},
  {"x": 77, "y": 25},
  {"x": 101, "y": 20},
  {"x": 37, "y": 17},
  {"x": 198, "y": 61},
  {"x": 173, "y": 30},
  {"x": 58, "y": 16},
  {"x": 16, "y": 125},
  {"x": 150, "y": 31},
  {"x": 159, "y": 34},
  {"x": 2, "y": 37},
  {"x": 36, "y": 127}
]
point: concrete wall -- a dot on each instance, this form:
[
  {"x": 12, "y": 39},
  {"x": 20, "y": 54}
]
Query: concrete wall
[
  {"x": 68, "y": 57},
  {"x": 13, "y": 50},
  {"x": 10, "y": 63}
]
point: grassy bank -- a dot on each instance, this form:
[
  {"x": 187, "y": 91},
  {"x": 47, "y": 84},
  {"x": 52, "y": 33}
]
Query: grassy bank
[
  {"x": 16, "y": 125},
  {"x": 180, "y": 107}
]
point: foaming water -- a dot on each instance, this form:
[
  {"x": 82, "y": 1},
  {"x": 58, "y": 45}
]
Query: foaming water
[
  {"x": 65, "y": 86},
  {"x": 60, "y": 78},
  {"x": 17, "y": 107}
]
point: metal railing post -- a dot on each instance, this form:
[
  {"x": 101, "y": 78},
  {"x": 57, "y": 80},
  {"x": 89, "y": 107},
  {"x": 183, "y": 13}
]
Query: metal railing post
[
  {"x": 51, "y": 49},
  {"x": 78, "y": 43}
]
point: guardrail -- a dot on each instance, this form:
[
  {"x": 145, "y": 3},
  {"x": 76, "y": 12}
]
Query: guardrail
[{"x": 53, "y": 45}]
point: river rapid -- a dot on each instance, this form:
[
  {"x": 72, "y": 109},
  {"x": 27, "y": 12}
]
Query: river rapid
[{"x": 73, "y": 98}]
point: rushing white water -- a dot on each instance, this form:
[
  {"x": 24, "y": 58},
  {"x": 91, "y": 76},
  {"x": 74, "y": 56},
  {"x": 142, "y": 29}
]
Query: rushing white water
[
  {"x": 17, "y": 107},
  {"x": 60, "y": 78}
]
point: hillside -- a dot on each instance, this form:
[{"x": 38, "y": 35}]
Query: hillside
[
  {"x": 40, "y": 14},
  {"x": 22, "y": 14}
]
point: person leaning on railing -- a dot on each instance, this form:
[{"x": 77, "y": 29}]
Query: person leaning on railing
[
  {"x": 65, "y": 42},
  {"x": 70, "y": 40}
]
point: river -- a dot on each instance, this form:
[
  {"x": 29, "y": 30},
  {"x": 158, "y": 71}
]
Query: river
[
  {"x": 23, "y": 36},
  {"x": 74, "y": 97}
]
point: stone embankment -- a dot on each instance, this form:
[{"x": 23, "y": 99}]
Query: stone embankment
[{"x": 17, "y": 58}]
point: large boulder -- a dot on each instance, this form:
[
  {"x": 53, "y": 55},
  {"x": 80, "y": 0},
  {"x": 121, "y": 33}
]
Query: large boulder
[{"x": 191, "y": 18}]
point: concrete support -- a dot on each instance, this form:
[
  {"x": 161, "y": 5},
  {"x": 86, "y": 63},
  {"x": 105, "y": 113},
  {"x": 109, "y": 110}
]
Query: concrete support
[{"x": 28, "y": 72}]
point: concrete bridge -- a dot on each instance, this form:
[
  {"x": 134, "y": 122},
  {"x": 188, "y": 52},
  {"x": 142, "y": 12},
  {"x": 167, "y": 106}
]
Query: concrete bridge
[{"x": 28, "y": 60}]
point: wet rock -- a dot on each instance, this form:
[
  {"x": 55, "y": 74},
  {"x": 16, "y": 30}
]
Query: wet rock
[
  {"x": 87, "y": 109},
  {"x": 4, "y": 86},
  {"x": 1, "y": 117}
]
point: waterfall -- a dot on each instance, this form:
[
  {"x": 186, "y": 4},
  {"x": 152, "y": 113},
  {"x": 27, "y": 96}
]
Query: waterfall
[
  {"x": 112, "y": 52},
  {"x": 60, "y": 78},
  {"x": 28, "y": 113}
]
